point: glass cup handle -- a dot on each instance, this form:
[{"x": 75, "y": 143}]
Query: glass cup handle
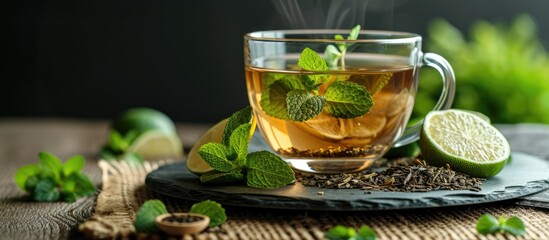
[{"x": 411, "y": 134}]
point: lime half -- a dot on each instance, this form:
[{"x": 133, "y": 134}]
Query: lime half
[
  {"x": 156, "y": 144},
  {"x": 465, "y": 141}
]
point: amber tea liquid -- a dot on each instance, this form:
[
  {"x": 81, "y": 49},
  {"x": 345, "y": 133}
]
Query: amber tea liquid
[{"x": 390, "y": 80}]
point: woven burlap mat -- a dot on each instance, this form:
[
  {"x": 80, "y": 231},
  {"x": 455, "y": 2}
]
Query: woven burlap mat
[{"x": 124, "y": 191}]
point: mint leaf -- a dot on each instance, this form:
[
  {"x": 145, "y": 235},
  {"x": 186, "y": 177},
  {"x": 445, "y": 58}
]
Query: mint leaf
[
  {"x": 51, "y": 165},
  {"x": 215, "y": 155},
  {"x": 310, "y": 60},
  {"x": 83, "y": 184},
  {"x": 211, "y": 209},
  {"x": 366, "y": 233},
  {"x": 267, "y": 170},
  {"x": 222, "y": 177},
  {"x": 354, "y": 33},
  {"x": 273, "y": 99},
  {"x": 269, "y": 78},
  {"x": 46, "y": 191},
  {"x": 24, "y": 173},
  {"x": 487, "y": 223},
  {"x": 237, "y": 119},
  {"x": 73, "y": 165},
  {"x": 340, "y": 232},
  {"x": 145, "y": 218},
  {"x": 238, "y": 142},
  {"x": 303, "y": 105},
  {"x": 514, "y": 226},
  {"x": 332, "y": 56},
  {"x": 31, "y": 183},
  {"x": 347, "y": 100}
]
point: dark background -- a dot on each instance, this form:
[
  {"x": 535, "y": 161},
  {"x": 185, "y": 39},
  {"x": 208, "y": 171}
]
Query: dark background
[{"x": 93, "y": 59}]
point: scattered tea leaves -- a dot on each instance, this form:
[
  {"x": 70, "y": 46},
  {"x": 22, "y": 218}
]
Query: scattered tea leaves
[{"x": 410, "y": 177}]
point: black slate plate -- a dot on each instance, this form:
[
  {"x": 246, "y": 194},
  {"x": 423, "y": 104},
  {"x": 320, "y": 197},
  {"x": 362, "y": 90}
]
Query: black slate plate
[{"x": 523, "y": 176}]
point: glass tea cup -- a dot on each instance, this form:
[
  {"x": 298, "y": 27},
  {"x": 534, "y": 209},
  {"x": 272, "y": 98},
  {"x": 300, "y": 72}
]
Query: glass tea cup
[{"x": 334, "y": 106}]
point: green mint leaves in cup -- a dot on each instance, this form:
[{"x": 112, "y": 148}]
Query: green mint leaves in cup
[
  {"x": 230, "y": 161},
  {"x": 50, "y": 180},
  {"x": 488, "y": 224},
  {"x": 299, "y": 99}
]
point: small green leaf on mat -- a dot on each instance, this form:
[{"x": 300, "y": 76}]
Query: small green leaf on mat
[
  {"x": 73, "y": 165},
  {"x": 145, "y": 218},
  {"x": 341, "y": 232},
  {"x": 24, "y": 173},
  {"x": 45, "y": 191},
  {"x": 488, "y": 224},
  {"x": 212, "y": 209},
  {"x": 51, "y": 165}
]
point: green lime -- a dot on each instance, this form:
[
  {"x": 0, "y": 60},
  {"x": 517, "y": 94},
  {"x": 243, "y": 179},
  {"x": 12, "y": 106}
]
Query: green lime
[
  {"x": 156, "y": 144},
  {"x": 465, "y": 141},
  {"x": 478, "y": 114},
  {"x": 142, "y": 120}
]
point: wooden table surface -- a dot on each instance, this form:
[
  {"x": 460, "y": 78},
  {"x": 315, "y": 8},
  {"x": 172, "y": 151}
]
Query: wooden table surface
[{"x": 22, "y": 139}]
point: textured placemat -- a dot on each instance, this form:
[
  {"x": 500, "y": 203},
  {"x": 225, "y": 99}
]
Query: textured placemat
[{"x": 123, "y": 192}]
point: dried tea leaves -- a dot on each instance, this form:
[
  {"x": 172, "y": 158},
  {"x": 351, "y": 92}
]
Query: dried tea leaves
[{"x": 401, "y": 175}]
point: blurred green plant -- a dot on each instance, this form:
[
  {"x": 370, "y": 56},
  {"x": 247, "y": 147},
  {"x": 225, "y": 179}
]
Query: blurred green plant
[{"x": 501, "y": 71}]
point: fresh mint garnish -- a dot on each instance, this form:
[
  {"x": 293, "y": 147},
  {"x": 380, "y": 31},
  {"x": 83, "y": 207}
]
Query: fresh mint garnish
[
  {"x": 236, "y": 119},
  {"x": 273, "y": 99},
  {"x": 217, "y": 156},
  {"x": 212, "y": 209},
  {"x": 233, "y": 163},
  {"x": 266, "y": 170},
  {"x": 347, "y": 100},
  {"x": 51, "y": 180},
  {"x": 300, "y": 99},
  {"x": 334, "y": 55},
  {"x": 304, "y": 105},
  {"x": 238, "y": 142},
  {"x": 340, "y": 232},
  {"x": 145, "y": 218},
  {"x": 488, "y": 224}
]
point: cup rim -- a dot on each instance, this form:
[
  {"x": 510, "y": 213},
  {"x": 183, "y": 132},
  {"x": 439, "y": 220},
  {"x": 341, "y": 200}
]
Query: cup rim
[{"x": 382, "y": 36}]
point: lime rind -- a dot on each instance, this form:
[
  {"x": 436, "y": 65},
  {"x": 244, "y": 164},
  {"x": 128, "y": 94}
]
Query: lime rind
[{"x": 475, "y": 130}]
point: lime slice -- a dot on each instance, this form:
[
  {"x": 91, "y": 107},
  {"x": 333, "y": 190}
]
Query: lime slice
[
  {"x": 465, "y": 141},
  {"x": 156, "y": 144},
  {"x": 195, "y": 164},
  {"x": 142, "y": 120}
]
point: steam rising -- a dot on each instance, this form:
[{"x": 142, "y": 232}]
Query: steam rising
[{"x": 332, "y": 14}]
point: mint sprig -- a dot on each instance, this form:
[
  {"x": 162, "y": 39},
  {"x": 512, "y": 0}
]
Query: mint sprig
[
  {"x": 488, "y": 224},
  {"x": 51, "y": 180},
  {"x": 232, "y": 162},
  {"x": 341, "y": 232},
  {"x": 334, "y": 54}
]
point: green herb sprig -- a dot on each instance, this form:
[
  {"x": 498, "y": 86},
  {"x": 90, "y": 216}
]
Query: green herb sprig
[
  {"x": 51, "y": 180},
  {"x": 488, "y": 224},
  {"x": 340, "y": 232},
  {"x": 334, "y": 54},
  {"x": 232, "y": 162}
]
